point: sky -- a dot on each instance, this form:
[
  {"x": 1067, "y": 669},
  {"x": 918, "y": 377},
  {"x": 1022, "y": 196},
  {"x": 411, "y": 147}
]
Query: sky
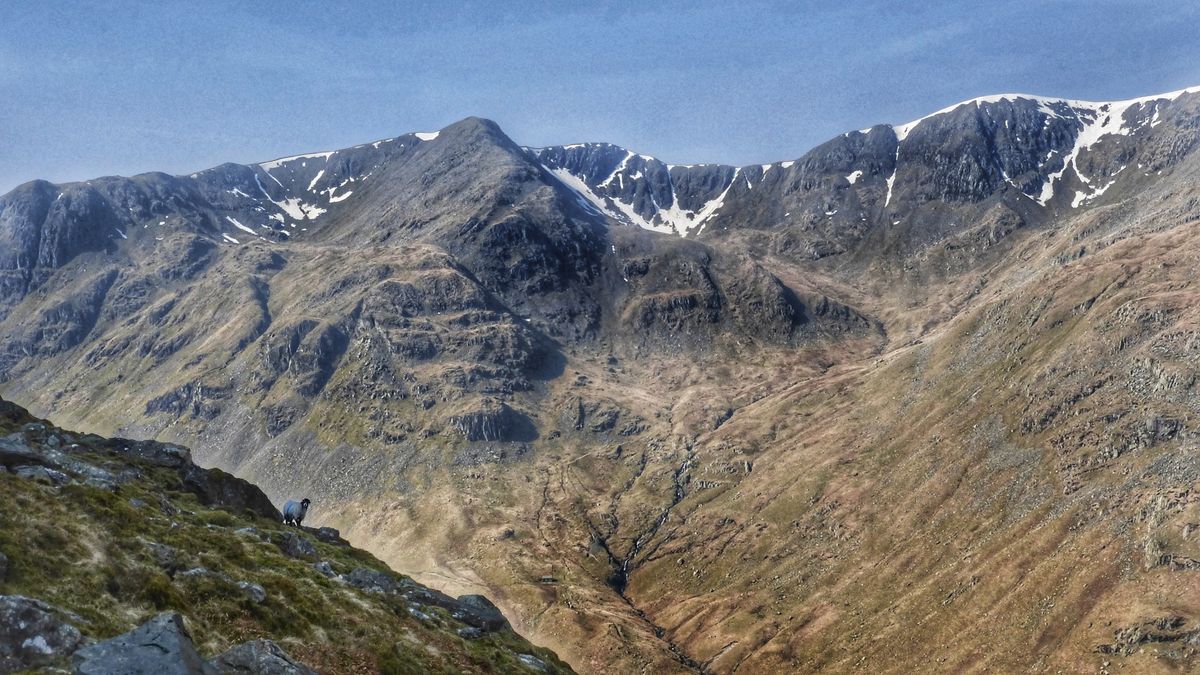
[{"x": 101, "y": 88}]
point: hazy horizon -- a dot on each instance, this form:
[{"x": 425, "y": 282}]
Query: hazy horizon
[{"x": 96, "y": 89}]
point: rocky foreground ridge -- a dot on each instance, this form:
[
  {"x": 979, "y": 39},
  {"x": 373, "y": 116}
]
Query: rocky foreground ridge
[{"x": 121, "y": 557}]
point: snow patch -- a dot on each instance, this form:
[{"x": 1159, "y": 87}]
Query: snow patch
[
  {"x": 620, "y": 167},
  {"x": 275, "y": 163},
  {"x": 315, "y": 179},
  {"x": 681, "y": 222},
  {"x": 891, "y": 181},
  {"x": 230, "y": 239},
  {"x": 238, "y": 225},
  {"x": 583, "y": 194},
  {"x": 1083, "y": 197},
  {"x": 671, "y": 220},
  {"x": 854, "y": 176},
  {"x": 292, "y": 206},
  {"x": 427, "y": 135}
]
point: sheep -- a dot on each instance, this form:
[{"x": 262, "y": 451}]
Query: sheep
[{"x": 293, "y": 512}]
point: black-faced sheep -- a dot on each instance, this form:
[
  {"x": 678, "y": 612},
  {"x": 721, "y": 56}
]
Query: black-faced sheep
[{"x": 294, "y": 512}]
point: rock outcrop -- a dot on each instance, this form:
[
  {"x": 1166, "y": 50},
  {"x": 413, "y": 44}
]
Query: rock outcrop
[
  {"x": 161, "y": 645},
  {"x": 258, "y": 657}
]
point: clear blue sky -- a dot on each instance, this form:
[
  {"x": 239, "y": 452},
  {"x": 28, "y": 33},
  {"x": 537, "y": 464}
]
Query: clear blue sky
[{"x": 96, "y": 88}]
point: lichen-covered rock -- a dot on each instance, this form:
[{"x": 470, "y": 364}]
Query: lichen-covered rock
[{"x": 32, "y": 635}]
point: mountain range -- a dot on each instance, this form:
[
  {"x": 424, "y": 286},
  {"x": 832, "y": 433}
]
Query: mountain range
[{"x": 917, "y": 399}]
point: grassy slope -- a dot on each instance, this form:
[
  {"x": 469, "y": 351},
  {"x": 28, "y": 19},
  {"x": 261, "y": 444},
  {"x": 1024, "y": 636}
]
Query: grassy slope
[{"x": 84, "y": 549}]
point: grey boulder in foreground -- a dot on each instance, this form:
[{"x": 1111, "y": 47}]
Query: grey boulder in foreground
[{"x": 161, "y": 646}]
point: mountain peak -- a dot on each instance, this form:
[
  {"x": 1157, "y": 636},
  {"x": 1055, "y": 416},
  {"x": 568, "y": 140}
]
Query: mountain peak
[{"x": 1051, "y": 105}]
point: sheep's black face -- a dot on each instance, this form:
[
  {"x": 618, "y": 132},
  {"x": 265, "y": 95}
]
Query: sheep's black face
[{"x": 304, "y": 503}]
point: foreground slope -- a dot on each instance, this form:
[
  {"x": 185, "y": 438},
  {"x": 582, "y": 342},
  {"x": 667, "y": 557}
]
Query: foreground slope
[
  {"x": 107, "y": 532},
  {"x": 907, "y": 400}
]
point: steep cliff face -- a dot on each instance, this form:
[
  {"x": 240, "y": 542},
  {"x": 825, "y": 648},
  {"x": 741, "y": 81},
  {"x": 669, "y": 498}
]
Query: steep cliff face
[{"x": 857, "y": 385}]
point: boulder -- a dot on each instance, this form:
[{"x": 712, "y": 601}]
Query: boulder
[
  {"x": 164, "y": 556},
  {"x": 161, "y": 646},
  {"x": 414, "y": 592},
  {"x": 419, "y": 615},
  {"x": 14, "y": 451},
  {"x": 473, "y": 610},
  {"x": 533, "y": 663},
  {"x": 195, "y": 573},
  {"x": 3, "y": 567},
  {"x": 370, "y": 581},
  {"x": 256, "y": 593},
  {"x": 32, "y": 635},
  {"x": 166, "y": 506},
  {"x": 324, "y": 568},
  {"x": 217, "y": 488},
  {"x": 259, "y": 657},
  {"x": 295, "y": 546},
  {"x": 328, "y": 535},
  {"x": 89, "y": 473},
  {"x": 478, "y": 611}
]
